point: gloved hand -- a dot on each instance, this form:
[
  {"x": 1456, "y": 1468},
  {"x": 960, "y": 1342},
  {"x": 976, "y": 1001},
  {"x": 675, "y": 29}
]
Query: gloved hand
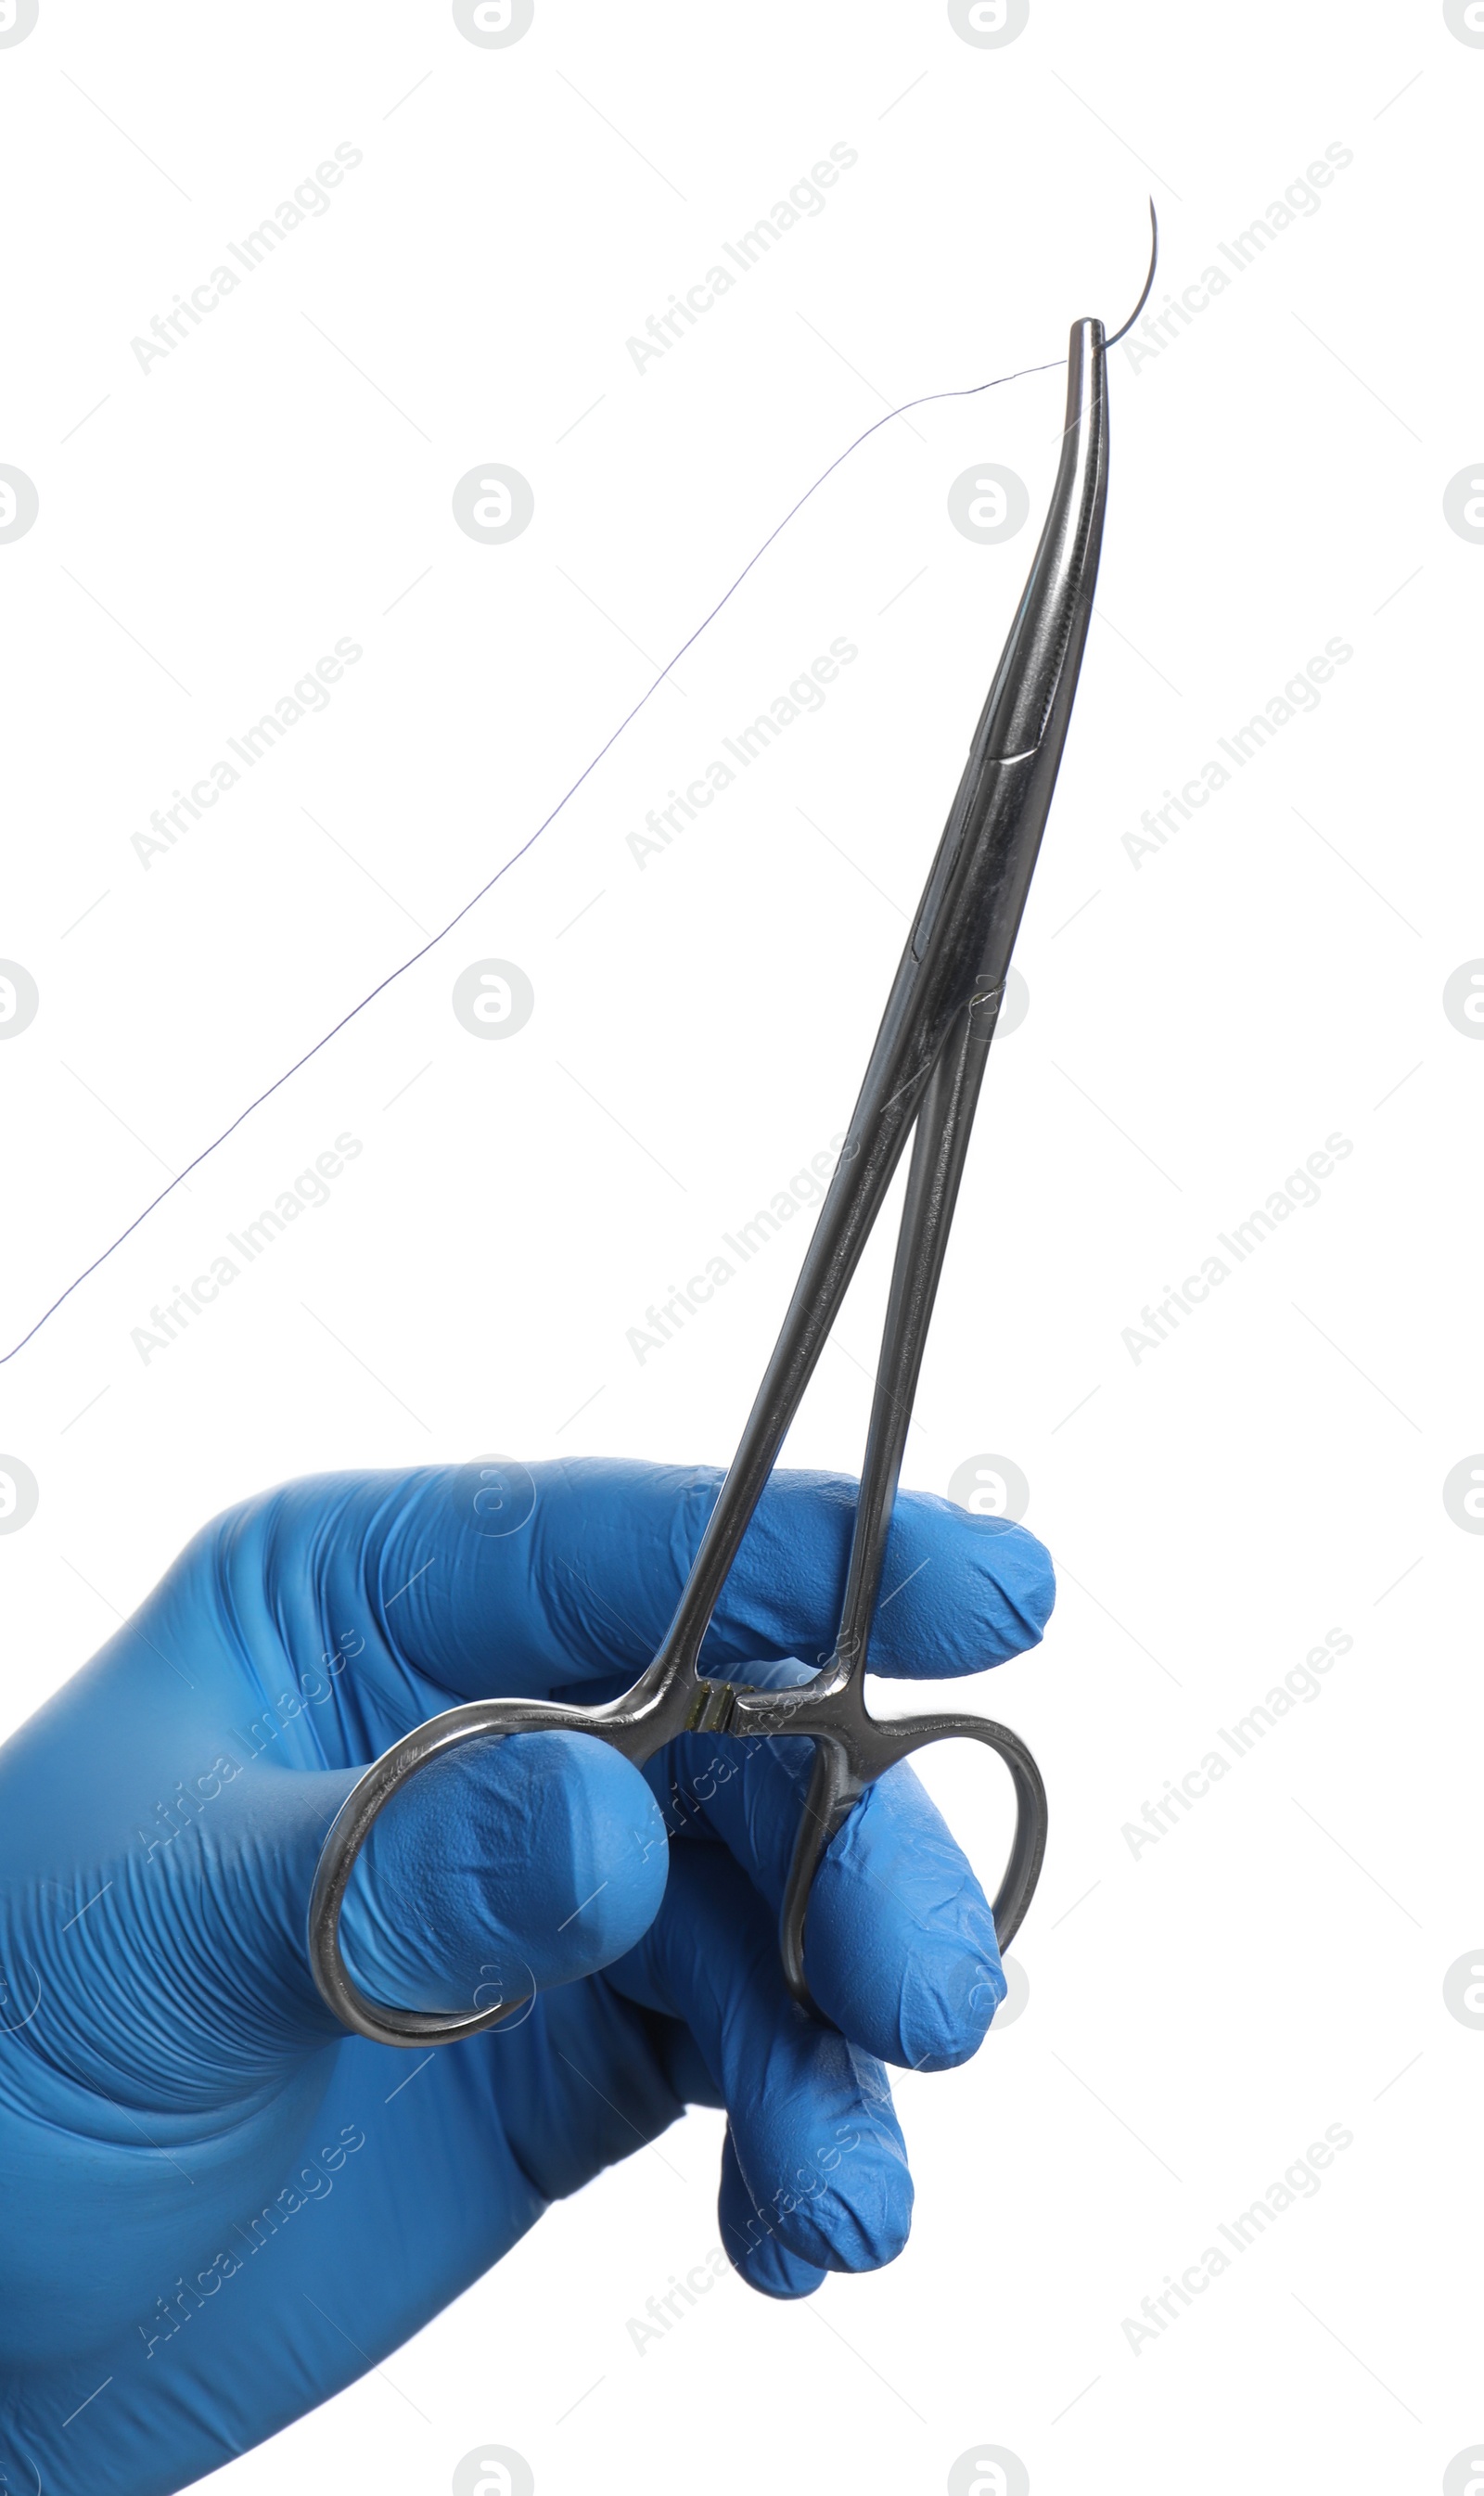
[{"x": 219, "y": 2208}]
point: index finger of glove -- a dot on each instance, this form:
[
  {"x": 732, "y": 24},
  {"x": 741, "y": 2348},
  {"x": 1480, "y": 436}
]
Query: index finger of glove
[{"x": 498, "y": 1578}]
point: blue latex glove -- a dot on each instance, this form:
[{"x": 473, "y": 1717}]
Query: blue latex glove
[{"x": 211, "y": 2198}]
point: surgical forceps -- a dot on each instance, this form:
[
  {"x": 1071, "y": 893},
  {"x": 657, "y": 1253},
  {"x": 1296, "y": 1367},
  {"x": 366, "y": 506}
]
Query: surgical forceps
[{"x": 923, "y": 1079}]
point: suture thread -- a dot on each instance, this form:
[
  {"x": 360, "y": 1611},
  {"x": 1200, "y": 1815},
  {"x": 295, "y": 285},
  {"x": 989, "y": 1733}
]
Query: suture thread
[{"x": 930, "y": 398}]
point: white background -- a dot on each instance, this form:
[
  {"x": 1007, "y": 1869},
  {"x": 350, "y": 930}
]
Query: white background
[{"x": 1199, "y": 1022}]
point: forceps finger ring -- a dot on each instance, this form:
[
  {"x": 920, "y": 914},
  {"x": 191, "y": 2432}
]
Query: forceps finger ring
[{"x": 922, "y": 1083}]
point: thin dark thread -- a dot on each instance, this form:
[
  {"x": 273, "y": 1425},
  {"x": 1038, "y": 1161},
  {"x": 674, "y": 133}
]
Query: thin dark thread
[
  {"x": 500, "y": 873},
  {"x": 930, "y": 398},
  {"x": 1149, "y": 282}
]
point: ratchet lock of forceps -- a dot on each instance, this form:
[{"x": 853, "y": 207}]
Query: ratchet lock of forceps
[{"x": 922, "y": 1080}]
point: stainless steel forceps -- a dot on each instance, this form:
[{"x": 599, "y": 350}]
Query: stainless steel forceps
[{"x": 924, "y": 1075}]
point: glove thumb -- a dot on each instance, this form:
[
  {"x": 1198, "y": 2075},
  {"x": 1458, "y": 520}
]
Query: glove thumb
[{"x": 502, "y": 1869}]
